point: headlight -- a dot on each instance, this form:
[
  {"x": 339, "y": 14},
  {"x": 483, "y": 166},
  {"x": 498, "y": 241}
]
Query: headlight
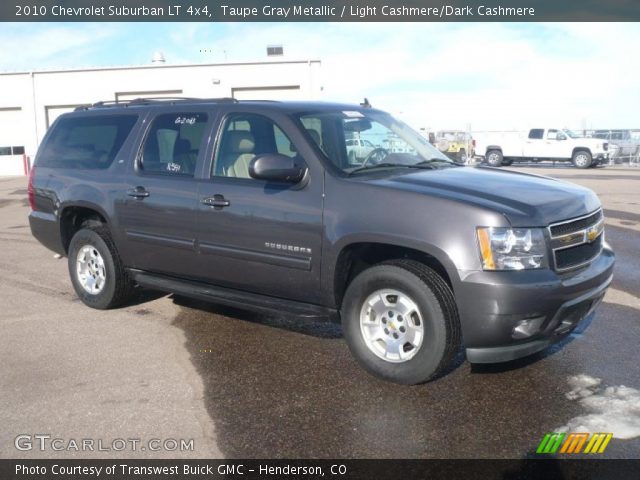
[{"x": 511, "y": 248}]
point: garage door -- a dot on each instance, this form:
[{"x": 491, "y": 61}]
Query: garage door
[
  {"x": 12, "y": 126},
  {"x": 288, "y": 92},
  {"x": 12, "y": 141}
]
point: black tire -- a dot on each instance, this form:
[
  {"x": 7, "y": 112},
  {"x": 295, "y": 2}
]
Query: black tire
[
  {"x": 437, "y": 309},
  {"x": 507, "y": 161},
  {"x": 494, "y": 158},
  {"x": 582, "y": 159},
  {"x": 118, "y": 286},
  {"x": 461, "y": 156}
]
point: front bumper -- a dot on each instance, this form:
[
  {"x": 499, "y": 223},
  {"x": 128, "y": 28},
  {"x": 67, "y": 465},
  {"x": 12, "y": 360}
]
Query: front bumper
[
  {"x": 508, "y": 315},
  {"x": 600, "y": 157}
]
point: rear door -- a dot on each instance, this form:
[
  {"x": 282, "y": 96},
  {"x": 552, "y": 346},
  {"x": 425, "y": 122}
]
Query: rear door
[
  {"x": 534, "y": 145},
  {"x": 258, "y": 235},
  {"x": 157, "y": 209}
]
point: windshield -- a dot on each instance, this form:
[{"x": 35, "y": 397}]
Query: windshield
[{"x": 358, "y": 141}]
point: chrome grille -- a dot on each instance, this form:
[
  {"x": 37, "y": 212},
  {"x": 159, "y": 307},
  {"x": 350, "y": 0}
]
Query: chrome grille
[
  {"x": 570, "y": 226},
  {"x": 578, "y": 241}
]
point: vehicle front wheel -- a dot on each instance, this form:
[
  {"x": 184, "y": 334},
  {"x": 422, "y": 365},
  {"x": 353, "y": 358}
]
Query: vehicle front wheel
[
  {"x": 494, "y": 158},
  {"x": 97, "y": 274},
  {"x": 582, "y": 159},
  {"x": 461, "y": 156},
  {"x": 400, "y": 321}
]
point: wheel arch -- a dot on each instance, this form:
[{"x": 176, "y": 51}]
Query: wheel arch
[
  {"x": 355, "y": 257},
  {"x": 74, "y": 216},
  {"x": 581, "y": 149}
]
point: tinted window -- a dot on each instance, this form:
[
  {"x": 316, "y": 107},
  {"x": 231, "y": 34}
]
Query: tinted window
[
  {"x": 536, "y": 133},
  {"x": 173, "y": 143},
  {"x": 86, "y": 142},
  {"x": 245, "y": 136},
  {"x": 18, "y": 150},
  {"x": 5, "y": 150}
]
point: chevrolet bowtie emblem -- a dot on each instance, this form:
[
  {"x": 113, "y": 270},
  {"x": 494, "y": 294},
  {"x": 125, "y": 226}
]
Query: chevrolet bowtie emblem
[{"x": 592, "y": 234}]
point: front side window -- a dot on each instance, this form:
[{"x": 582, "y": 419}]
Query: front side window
[
  {"x": 244, "y": 136},
  {"x": 355, "y": 141},
  {"x": 86, "y": 142},
  {"x": 173, "y": 143}
]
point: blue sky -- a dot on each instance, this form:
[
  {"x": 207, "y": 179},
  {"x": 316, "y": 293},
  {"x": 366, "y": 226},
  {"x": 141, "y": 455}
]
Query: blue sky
[{"x": 439, "y": 75}]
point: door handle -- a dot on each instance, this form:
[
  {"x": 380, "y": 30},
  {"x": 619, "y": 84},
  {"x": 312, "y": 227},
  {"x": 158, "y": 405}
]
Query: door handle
[
  {"x": 138, "y": 192},
  {"x": 217, "y": 201}
]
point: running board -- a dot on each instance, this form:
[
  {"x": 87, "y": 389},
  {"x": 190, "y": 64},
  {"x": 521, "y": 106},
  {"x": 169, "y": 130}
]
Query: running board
[{"x": 233, "y": 298}]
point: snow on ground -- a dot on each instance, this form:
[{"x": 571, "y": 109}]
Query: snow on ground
[{"x": 610, "y": 409}]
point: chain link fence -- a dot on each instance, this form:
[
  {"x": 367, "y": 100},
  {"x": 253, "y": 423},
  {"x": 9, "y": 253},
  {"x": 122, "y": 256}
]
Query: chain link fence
[{"x": 624, "y": 145}]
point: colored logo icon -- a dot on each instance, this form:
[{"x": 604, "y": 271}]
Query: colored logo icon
[{"x": 553, "y": 443}]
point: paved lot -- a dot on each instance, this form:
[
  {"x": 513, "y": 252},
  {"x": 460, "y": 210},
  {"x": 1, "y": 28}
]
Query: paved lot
[{"x": 243, "y": 385}]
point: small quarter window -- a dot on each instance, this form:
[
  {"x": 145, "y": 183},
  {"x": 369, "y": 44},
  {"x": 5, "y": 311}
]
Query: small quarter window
[{"x": 173, "y": 143}]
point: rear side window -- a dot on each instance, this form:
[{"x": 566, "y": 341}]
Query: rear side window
[
  {"x": 536, "y": 133},
  {"x": 86, "y": 142},
  {"x": 173, "y": 143}
]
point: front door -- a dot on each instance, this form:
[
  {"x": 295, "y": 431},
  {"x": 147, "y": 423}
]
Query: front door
[{"x": 258, "y": 235}]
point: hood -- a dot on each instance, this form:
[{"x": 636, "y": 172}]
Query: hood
[{"x": 526, "y": 200}]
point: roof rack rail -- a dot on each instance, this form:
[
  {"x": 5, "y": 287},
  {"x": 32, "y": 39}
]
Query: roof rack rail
[{"x": 154, "y": 100}]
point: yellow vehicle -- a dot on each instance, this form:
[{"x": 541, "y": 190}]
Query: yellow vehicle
[{"x": 457, "y": 145}]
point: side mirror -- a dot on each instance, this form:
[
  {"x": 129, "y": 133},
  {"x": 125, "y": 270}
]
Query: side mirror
[
  {"x": 561, "y": 137},
  {"x": 276, "y": 167}
]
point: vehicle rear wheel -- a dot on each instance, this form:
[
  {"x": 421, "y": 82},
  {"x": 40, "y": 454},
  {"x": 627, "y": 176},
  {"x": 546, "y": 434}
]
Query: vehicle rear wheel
[
  {"x": 582, "y": 159},
  {"x": 494, "y": 158},
  {"x": 400, "y": 321},
  {"x": 96, "y": 271}
]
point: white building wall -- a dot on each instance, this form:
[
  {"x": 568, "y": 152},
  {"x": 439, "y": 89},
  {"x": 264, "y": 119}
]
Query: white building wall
[{"x": 30, "y": 102}]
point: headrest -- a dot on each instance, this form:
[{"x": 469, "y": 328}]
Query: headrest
[
  {"x": 240, "y": 142},
  {"x": 182, "y": 146}
]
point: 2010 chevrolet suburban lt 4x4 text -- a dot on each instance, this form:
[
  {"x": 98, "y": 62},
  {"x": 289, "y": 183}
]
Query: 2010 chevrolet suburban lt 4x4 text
[{"x": 258, "y": 204}]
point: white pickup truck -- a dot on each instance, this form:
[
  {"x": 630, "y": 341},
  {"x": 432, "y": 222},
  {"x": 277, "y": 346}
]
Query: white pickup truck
[{"x": 540, "y": 144}]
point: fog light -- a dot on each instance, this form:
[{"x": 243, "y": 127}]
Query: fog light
[{"x": 527, "y": 328}]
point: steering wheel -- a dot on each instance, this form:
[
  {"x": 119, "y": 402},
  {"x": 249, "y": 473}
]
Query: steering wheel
[{"x": 375, "y": 156}]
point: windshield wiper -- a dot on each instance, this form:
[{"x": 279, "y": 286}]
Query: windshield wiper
[
  {"x": 419, "y": 166},
  {"x": 437, "y": 160}
]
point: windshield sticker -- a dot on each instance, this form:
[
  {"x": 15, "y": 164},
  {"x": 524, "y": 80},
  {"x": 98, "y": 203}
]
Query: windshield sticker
[
  {"x": 185, "y": 120},
  {"x": 353, "y": 114},
  {"x": 173, "y": 167}
]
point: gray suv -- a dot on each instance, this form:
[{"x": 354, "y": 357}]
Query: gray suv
[{"x": 256, "y": 204}]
